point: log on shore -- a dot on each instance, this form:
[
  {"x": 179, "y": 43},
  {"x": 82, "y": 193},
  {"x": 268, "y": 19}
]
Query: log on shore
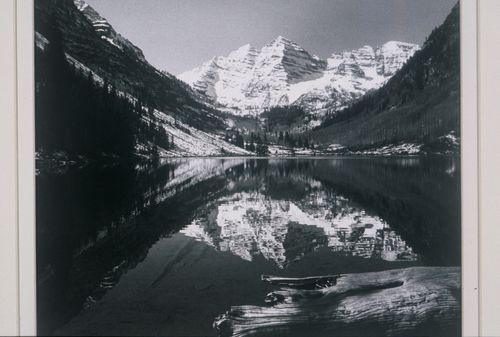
[{"x": 401, "y": 302}]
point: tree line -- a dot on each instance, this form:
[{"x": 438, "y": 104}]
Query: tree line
[{"x": 259, "y": 143}]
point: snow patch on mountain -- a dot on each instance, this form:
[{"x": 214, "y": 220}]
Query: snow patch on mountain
[{"x": 40, "y": 41}]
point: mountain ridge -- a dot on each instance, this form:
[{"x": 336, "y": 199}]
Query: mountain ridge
[
  {"x": 105, "y": 31},
  {"x": 249, "y": 81},
  {"x": 120, "y": 63}
]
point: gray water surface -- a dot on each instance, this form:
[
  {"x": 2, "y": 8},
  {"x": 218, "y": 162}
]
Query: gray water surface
[{"x": 163, "y": 250}]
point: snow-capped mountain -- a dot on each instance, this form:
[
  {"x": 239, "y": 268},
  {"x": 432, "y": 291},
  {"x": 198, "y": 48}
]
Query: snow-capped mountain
[{"x": 248, "y": 80}]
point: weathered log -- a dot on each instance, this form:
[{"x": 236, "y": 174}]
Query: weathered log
[
  {"x": 411, "y": 301},
  {"x": 313, "y": 282}
]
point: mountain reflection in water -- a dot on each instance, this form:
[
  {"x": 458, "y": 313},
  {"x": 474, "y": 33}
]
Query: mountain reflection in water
[
  {"x": 251, "y": 223},
  {"x": 173, "y": 239}
]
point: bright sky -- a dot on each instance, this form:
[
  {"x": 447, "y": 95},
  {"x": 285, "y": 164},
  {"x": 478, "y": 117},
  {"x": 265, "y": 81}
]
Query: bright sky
[{"x": 178, "y": 35}]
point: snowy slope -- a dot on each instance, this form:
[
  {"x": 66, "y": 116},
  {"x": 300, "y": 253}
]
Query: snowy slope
[
  {"x": 248, "y": 80},
  {"x": 190, "y": 141}
]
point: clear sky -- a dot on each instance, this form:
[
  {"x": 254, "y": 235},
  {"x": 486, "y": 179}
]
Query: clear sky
[{"x": 178, "y": 35}]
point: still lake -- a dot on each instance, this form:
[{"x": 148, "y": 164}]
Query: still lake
[{"x": 163, "y": 250}]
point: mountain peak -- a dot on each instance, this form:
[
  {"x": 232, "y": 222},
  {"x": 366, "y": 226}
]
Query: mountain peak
[
  {"x": 393, "y": 54},
  {"x": 242, "y": 52},
  {"x": 81, "y": 5},
  {"x": 280, "y": 39},
  {"x": 398, "y": 45},
  {"x": 282, "y": 72}
]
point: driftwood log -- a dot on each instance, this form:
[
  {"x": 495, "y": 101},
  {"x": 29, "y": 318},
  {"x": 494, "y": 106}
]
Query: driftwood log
[{"x": 419, "y": 301}]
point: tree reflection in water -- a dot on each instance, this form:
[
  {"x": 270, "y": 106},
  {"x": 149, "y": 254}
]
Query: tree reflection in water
[{"x": 96, "y": 224}]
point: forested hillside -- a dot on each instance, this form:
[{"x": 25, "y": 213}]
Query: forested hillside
[
  {"x": 97, "y": 96},
  {"x": 129, "y": 71},
  {"x": 420, "y": 104},
  {"x": 80, "y": 116}
]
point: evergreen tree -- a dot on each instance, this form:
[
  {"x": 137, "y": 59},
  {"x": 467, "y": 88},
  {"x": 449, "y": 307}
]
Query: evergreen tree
[{"x": 239, "y": 140}]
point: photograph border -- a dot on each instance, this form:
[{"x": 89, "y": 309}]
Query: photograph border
[
  {"x": 9, "y": 311},
  {"x": 26, "y": 167},
  {"x": 489, "y": 166},
  {"x": 469, "y": 167}
]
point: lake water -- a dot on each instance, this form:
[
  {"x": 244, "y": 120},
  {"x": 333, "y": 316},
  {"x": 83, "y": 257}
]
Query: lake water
[{"x": 163, "y": 250}]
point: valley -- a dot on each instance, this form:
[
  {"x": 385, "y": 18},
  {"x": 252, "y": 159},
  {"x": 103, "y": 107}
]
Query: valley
[{"x": 279, "y": 100}]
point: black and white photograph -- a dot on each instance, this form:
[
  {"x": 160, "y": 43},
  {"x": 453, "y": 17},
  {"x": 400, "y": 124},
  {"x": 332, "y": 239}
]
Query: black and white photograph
[{"x": 270, "y": 168}]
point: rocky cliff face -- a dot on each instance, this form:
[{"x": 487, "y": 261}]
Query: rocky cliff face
[
  {"x": 249, "y": 80},
  {"x": 106, "y": 31}
]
